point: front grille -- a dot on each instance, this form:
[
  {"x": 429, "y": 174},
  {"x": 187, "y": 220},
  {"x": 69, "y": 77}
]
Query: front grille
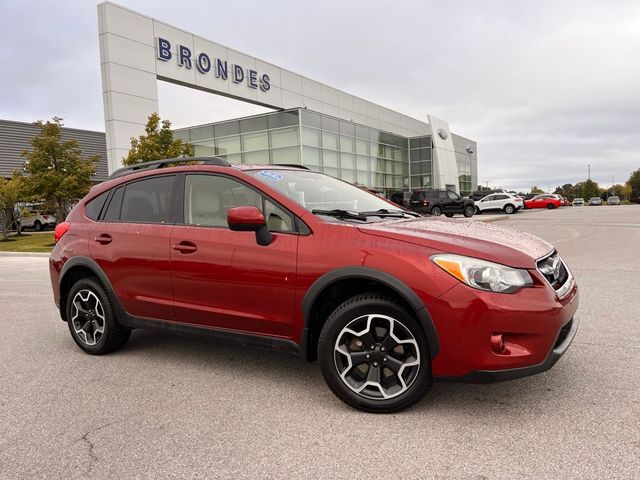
[
  {"x": 553, "y": 270},
  {"x": 564, "y": 331}
]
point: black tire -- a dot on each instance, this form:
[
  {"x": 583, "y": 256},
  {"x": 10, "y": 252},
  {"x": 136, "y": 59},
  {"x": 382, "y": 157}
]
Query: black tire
[
  {"x": 550, "y": 206},
  {"x": 509, "y": 209},
  {"x": 113, "y": 337},
  {"x": 436, "y": 211},
  {"x": 358, "y": 309},
  {"x": 448, "y": 215},
  {"x": 37, "y": 226},
  {"x": 469, "y": 211}
]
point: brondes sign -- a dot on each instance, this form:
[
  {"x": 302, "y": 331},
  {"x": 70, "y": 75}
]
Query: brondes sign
[{"x": 207, "y": 65}]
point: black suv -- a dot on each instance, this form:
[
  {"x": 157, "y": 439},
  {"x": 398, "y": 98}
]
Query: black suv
[{"x": 437, "y": 202}]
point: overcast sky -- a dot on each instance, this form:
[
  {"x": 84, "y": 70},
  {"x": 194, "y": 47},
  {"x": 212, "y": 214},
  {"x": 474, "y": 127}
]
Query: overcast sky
[{"x": 545, "y": 87}]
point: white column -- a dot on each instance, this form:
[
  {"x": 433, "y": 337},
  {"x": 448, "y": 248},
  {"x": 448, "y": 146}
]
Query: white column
[{"x": 129, "y": 82}]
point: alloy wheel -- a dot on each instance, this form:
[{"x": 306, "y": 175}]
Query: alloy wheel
[
  {"x": 377, "y": 357},
  {"x": 88, "y": 317}
]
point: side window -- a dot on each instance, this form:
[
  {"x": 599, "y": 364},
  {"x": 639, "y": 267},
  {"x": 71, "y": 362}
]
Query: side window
[
  {"x": 115, "y": 205},
  {"x": 148, "y": 201},
  {"x": 502, "y": 197},
  {"x": 209, "y": 197},
  {"x": 443, "y": 195},
  {"x": 94, "y": 207},
  {"x": 277, "y": 219},
  {"x": 453, "y": 195},
  {"x": 490, "y": 198}
]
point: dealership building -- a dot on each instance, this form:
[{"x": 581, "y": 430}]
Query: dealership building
[{"x": 313, "y": 124}]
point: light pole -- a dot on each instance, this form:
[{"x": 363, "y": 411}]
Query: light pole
[{"x": 589, "y": 171}]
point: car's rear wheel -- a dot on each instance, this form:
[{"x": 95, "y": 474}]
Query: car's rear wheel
[
  {"x": 37, "y": 226},
  {"x": 91, "y": 318},
  {"x": 509, "y": 209},
  {"x": 437, "y": 211},
  {"x": 468, "y": 211},
  {"x": 550, "y": 206},
  {"x": 374, "y": 356}
]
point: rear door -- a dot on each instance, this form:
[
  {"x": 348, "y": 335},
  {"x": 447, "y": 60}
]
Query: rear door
[
  {"x": 130, "y": 242},
  {"x": 223, "y": 278}
]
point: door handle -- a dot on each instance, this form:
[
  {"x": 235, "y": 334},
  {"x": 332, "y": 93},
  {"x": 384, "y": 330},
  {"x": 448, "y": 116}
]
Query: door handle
[
  {"x": 103, "y": 239},
  {"x": 185, "y": 247}
]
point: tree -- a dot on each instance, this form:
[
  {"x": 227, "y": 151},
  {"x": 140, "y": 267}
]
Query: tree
[
  {"x": 482, "y": 188},
  {"x": 57, "y": 172},
  {"x": 536, "y": 190},
  {"x": 587, "y": 189},
  {"x": 634, "y": 184},
  {"x": 567, "y": 190},
  {"x": 157, "y": 143},
  {"x": 10, "y": 193}
]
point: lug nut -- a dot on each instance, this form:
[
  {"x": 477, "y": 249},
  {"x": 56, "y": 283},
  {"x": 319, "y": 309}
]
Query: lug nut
[
  {"x": 368, "y": 356},
  {"x": 382, "y": 349},
  {"x": 384, "y": 359},
  {"x": 375, "y": 364},
  {"x": 373, "y": 347}
]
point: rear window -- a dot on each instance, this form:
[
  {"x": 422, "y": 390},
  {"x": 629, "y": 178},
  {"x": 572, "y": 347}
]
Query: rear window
[{"x": 147, "y": 201}]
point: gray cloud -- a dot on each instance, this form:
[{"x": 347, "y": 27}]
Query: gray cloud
[{"x": 545, "y": 87}]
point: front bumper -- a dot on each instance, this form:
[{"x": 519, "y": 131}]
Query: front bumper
[{"x": 489, "y": 376}]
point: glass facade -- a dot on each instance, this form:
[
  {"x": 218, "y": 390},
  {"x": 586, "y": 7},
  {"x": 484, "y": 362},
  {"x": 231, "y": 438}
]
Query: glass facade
[
  {"x": 464, "y": 174},
  {"x": 355, "y": 153}
]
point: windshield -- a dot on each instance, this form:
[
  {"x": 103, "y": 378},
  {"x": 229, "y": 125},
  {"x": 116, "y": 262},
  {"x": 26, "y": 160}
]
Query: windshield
[{"x": 315, "y": 191}]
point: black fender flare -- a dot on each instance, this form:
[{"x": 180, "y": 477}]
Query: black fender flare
[
  {"x": 93, "y": 266},
  {"x": 379, "y": 276}
]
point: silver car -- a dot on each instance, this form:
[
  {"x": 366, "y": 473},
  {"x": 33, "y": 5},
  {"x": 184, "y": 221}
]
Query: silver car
[
  {"x": 595, "y": 201},
  {"x": 613, "y": 200},
  {"x": 578, "y": 202}
]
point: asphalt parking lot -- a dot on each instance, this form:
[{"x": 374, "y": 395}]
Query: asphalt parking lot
[{"x": 178, "y": 407}]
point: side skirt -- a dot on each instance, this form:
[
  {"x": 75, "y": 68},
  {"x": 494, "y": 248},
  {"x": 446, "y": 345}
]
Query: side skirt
[{"x": 229, "y": 336}]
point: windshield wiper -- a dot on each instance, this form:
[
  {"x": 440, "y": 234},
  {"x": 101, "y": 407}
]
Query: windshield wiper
[
  {"x": 341, "y": 214},
  {"x": 385, "y": 212}
]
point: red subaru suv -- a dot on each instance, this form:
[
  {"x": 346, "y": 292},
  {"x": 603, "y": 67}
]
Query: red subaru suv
[{"x": 284, "y": 257}]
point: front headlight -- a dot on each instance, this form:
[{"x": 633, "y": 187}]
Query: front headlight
[{"x": 483, "y": 275}]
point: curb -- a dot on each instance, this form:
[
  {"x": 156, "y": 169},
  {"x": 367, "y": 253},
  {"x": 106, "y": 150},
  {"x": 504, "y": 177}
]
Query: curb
[{"x": 24, "y": 254}]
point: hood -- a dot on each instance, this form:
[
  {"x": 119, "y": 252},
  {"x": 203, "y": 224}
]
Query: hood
[{"x": 474, "y": 239}]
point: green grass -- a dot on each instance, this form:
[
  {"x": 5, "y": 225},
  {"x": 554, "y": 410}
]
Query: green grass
[{"x": 37, "y": 242}]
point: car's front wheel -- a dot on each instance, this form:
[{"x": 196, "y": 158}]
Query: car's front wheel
[
  {"x": 91, "y": 318},
  {"x": 468, "y": 211},
  {"x": 374, "y": 356},
  {"x": 37, "y": 226}
]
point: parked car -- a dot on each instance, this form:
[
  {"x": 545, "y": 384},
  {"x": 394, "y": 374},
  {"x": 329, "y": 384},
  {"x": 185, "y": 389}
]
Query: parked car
[
  {"x": 578, "y": 202},
  {"x": 543, "y": 201},
  {"x": 613, "y": 200},
  {"x": 38, "y": 220},
  {"x": 507, "y": 202},
  {"x": 480, "y": 194},
  {"x": 284, "y": 257},
  {"x": 595, "y": 201},
  {"x": 438, "y": 202}
]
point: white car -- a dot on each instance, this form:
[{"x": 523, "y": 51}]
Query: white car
[
  {"x": 578, "y": 202},
  {"x": 37, "y": 220},
  {"x": 507, "y": 202}
]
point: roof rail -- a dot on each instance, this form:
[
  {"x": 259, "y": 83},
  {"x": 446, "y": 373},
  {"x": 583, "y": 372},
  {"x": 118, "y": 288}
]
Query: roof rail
[
  {"x": 291, "y": 165},
  {"x": 141, "y": 167}
]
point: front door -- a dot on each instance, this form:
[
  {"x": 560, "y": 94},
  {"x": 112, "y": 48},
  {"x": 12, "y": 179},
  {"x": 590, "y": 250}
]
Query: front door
[{"x": 223, "y": 278}]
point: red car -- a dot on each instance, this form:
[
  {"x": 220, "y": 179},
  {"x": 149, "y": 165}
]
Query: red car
[
  {"x": 543, "y": 201},
  {"x": 284, "y": 257}
]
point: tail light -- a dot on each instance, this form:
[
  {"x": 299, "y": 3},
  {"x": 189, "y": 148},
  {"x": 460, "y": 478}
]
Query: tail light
[
  {"x": 45, "y": 217},
  {"x": 425, "y": 203},
  {"x": 60, "y": 230}
]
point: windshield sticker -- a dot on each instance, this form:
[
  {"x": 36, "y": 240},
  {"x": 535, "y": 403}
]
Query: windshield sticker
[{"x": 271, "y": 175}]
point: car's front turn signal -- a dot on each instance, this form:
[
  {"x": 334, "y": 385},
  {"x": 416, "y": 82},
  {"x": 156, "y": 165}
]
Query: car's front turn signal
[{"x": 482, "y": 274}]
